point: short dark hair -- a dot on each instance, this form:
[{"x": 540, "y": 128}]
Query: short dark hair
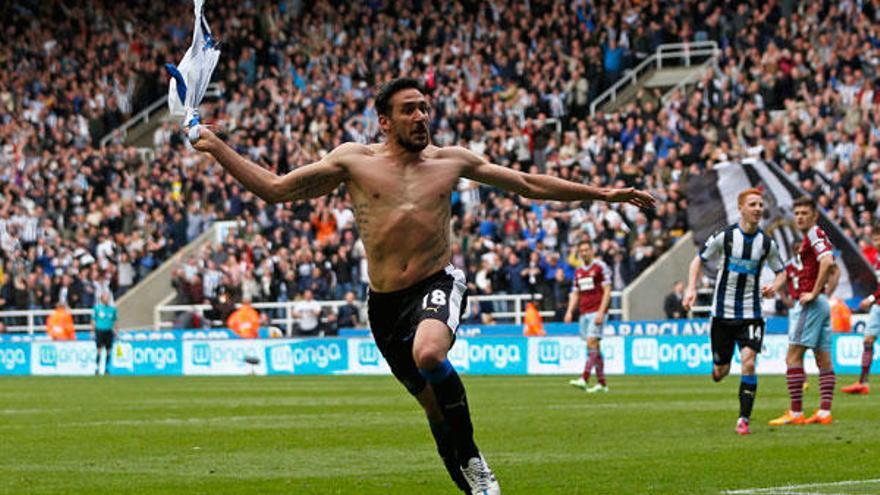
[
  {"x": 392, "y": 87},
  {"x": 805, "y": 201}
]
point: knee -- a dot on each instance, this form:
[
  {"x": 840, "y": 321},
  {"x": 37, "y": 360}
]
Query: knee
[{"x": 428, "y": 357}]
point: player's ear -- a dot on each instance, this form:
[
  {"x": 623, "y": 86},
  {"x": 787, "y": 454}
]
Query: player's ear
[{"x": 384, "y": 123}]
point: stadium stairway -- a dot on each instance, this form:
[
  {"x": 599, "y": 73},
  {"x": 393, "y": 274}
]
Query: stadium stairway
[
  {"x": 673, "y": 66},
  {"x": 643, "y": 298},
  {"x": 135, "y": 308}
]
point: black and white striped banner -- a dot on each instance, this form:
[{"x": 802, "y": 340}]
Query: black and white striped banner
[{"x": 712, "y": 205}]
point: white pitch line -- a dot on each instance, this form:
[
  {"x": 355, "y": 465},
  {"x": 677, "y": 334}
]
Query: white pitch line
[{"x": 795, "y": 489}]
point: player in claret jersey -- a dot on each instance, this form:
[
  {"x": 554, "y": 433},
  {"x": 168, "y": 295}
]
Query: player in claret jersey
[
  {"x": 809, "y": 321},
  {"x": 871, "y": 331},
  {"x": 590, "y": 293}
]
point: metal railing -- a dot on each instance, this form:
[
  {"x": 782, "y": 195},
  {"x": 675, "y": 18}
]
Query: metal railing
[
  {"x": 689, "y": 79},
  {"x": 286, "y": 320},
  {"x": 145, "y": 115},
  {"x": 36, "y": 319},
  {"x": 685, "y": 52},
  {"x": 706, "y": 309}
]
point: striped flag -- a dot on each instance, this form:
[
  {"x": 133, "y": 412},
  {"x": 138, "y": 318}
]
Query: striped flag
[
  {"x": 191, "y": 77},
  {"x": 712, "y": 205}
]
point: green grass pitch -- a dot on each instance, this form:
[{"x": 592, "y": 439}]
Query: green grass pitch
[{"x": 365, "y": 435}]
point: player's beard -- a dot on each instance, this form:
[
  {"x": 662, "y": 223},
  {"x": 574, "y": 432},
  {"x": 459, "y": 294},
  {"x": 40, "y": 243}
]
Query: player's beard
[{"x": 414, "y": 146}]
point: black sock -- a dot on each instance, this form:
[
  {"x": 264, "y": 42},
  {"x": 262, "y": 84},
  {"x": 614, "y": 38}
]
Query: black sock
[
  {"x": 453, "y": 403},
  {"x": 98, "y": 361},
  {"x": 107, "y": 361},
  {"x": 748, "y": 388},
  {"x": 440, "y": 430}
]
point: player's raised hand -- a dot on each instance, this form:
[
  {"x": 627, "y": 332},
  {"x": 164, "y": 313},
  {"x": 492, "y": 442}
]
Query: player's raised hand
[
  {"x": 205, "y": 138},
  {"x": 632, "y": 196}
]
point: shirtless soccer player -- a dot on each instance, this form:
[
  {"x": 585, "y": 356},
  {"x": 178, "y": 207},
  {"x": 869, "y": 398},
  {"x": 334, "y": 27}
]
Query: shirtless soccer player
[{"x": 401, "y": 192}]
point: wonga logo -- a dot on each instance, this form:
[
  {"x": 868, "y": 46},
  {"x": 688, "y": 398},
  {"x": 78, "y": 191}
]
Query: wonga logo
[
  {"x": 52, "y": 356},
  {"x": 281, "y": 358},
  {"x": 10, "y": 358},
  {"x": 650, "y": 353},
  {"x": 500, "y": 355},
  {"x": 320, "y": 355},
  {"x": 644, "y": 353},
  {"x": 368, "y": 354},
  {"x": 849, "y": 350},
  {"x": 48, "y": 355},
  {"x": 201, "y": 354},
  {"x": 549, "y": 352}
]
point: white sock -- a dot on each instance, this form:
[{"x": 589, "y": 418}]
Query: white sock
[{"x": 824, "y": 413}]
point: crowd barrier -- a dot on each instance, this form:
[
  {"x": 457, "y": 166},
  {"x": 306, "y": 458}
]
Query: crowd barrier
[
  {"x": 634, "y": 355},
  {"x": 652, "y": 328}
]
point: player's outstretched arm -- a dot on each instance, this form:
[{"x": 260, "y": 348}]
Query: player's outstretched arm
[
  {"x": 539, "y": 186},
  {"x": 309, "y": 181}
]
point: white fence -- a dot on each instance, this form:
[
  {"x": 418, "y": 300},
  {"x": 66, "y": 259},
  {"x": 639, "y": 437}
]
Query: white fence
[
  {"x": 35, "y": 319},
  {"x": 514, "y": 303},
  {"x": 148, "y": 113},
  {"x": 510, "y": 306},
  {"x": 666, "y": 55}
]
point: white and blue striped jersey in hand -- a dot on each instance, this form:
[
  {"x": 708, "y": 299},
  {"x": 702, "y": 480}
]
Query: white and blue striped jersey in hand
[{"x": 742, "y": 257}]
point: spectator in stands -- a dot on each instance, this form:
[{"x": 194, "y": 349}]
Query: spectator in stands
[
  {"x": 59, "y": 324},
  {"x": 672, "y": 305},
  {"x": 348, "y": 315},
  {"x": 245, "y": 321},
  {"x": 780, "y": 93},
  {"x": 307, "y": 314},
  {"x": 221, "y": 308}
]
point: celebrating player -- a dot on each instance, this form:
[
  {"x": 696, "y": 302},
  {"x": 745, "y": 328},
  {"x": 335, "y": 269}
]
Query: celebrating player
[
  {"x": 591, "y": 293},
  {"x": 742, "y": 248},
  {"x": 401, "y": 189},
  {"x": 809, "y": 321}
]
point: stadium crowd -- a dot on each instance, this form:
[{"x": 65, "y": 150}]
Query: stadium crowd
[{"x": 795, "y": 84}]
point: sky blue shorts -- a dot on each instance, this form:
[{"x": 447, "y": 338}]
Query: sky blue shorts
[
  {"x": 873, "y": 327},
  {"x": 810, "y": 326},
  {"x": 588, "y": 327}
]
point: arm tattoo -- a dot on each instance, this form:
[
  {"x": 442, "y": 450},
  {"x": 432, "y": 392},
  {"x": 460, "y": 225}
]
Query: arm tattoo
[{"x": 308, "y": 186}]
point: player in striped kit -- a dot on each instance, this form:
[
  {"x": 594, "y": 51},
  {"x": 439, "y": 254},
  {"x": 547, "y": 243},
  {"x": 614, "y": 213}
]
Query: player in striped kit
[
  {"x": 872, "y": 330},
  {"x": 743, "y": 249},
  {"x": 591, "y": 294},
  {"x": 809, "y": 321}
]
